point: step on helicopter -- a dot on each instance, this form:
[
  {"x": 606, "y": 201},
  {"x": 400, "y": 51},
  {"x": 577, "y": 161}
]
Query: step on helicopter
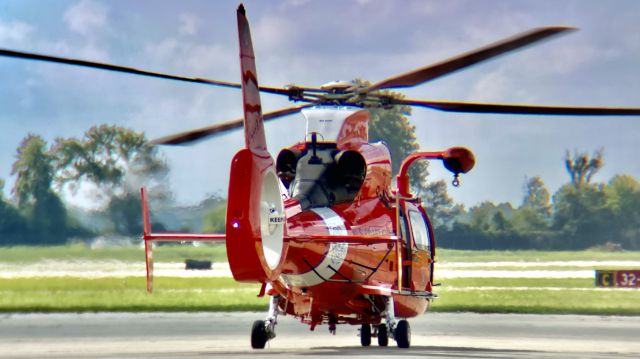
[{"x": 321, "y": 226}]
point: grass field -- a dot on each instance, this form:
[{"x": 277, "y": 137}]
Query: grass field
[
  {"x": 495, "y": 295},
  {"x": 66, "y": 294},
  {"x": 502, "y": 295},
  {"x": 534, "y": 295}
]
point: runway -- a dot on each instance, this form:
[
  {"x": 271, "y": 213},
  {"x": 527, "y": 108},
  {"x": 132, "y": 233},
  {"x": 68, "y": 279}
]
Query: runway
[{"x": 205, "y": 335}]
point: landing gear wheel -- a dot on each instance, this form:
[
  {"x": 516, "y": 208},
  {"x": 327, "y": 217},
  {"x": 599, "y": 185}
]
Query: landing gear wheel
[
  {"x": 365, "y": 335},
  {"x": 259, "y": 336},
  {"x": 402, "y": 334},
  {"x": 383, "y": 335}
]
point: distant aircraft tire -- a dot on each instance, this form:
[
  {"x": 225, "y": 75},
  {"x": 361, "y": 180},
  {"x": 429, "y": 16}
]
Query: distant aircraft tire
[
  {"x": 259, "y": 335},
  {"x": 383, "y": 335},
  {"x": 365, "y": 335},
  {"x": 402, "y": 334}
]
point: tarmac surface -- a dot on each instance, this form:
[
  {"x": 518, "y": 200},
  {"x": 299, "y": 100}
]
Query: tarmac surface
[{"x": 205, "y": 335}]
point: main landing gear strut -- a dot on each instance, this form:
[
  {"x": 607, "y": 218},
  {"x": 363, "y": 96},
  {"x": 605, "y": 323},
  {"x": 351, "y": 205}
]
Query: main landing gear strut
[
  {"x": 400, "y": 331},
  {"x": 265, "y": 330}
]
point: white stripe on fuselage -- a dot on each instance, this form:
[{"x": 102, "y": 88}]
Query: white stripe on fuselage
[{"x": 332, "y": 261}]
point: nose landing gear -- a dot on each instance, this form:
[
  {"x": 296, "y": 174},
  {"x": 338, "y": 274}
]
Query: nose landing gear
[{"x": 264, "y": 330}]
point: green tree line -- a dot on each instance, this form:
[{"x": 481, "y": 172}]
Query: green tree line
[{"x": 580, "y": 215}]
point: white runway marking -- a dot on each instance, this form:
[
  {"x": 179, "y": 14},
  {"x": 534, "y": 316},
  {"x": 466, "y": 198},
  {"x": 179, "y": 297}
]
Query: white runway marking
[{"x": 119, "y": 269}]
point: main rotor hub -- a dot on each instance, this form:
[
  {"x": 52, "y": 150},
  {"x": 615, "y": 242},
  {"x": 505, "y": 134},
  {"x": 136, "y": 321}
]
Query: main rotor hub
[{"x": 338, "y": 87}]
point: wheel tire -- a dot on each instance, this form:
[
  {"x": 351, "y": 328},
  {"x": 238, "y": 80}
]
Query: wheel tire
[
  {"x": 383, "y": 335},
  {"x": 365, "y": 335},
  {"x": 259, "y": 335},
  {"x": 403, "y": 334}
]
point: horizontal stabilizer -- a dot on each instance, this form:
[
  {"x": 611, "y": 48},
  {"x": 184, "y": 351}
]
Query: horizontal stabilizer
[{"x": 149, "y": 237}]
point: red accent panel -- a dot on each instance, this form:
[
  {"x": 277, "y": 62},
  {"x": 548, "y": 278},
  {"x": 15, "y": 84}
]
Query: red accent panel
[
  {"x": 628, "y": 278},
  {"x": 355, "y": 130}
]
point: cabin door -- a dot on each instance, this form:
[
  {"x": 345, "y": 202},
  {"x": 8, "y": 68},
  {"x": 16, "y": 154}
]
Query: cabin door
[{"x": 420, "y": 251}]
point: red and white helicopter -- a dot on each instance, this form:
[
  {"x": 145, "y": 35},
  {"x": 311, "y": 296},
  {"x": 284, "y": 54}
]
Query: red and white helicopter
[{"x": 322, "y": 226}]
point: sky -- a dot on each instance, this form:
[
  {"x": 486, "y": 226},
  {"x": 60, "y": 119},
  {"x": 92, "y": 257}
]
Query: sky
[{"x": 314, "y": 42}]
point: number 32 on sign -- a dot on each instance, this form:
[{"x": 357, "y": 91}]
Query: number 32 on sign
[{"x": 618, "y": 278}]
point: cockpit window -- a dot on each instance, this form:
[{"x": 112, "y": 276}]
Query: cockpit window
[{"x": 419, "y": 230}]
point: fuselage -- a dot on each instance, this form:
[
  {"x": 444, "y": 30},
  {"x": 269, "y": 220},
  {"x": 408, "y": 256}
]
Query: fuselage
[
  {"x": 342, "y": 188},
  {"x": 325, "y": 281}
]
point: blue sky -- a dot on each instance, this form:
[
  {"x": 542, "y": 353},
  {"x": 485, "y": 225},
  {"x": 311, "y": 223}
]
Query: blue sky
[{"x": 314, "y": 42}]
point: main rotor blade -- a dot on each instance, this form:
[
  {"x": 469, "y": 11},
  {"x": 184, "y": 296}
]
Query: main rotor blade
[
  {"x": 471, "y": 107},
  {"x": 131, "y": 70},
  {"x": 430, "y": 72},
  {"x": 192, "y": 136}
]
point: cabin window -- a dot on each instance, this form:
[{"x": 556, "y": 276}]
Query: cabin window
[
  {"x": 404, "y": 233},
  {"x": 419, "y": 230}
]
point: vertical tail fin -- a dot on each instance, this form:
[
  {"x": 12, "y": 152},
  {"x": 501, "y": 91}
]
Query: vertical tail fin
[
  {"x": 254, "y": 135},
  {"x": 255, "y": 214}
]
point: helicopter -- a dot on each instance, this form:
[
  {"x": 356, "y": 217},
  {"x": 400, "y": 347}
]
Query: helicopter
[{"x": 322, "y": 227}]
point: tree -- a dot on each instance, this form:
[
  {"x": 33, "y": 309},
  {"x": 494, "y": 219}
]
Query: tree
[
  {"x": 440, "y": 207},
  {"x": 12, "y": 225},
  {"x": 581, "y": 216},
  {"x": 536, "y": 196},
  {"x": 581, "y": 168},
  {"x": 623, "y": 200},
  {"x": 125, "y": 212},
  {"x": 392, "y": 126},
  {"x": 117, "y": 161},
  {"x": 45, "y": 212},
  {"x": 532, "y": 219},
  {"x": 482, "y": 216},
  {"x": 33, "y": 169},
  {"x": 215, "y": 220},
  {"x": 113, "y": 158}
]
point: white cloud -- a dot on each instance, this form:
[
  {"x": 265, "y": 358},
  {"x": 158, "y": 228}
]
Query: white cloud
[
  {"x": 15, "y": 32},
  {"x": 492, "y": 87},
  {"x": 567, "y": 59},
  {"x": 275, "y": 33},
  {"x": 193, "y": 58},
  {"x": 189, "y": 24},
  {"x": 297, "y": 2},
  {"x": 86, "y": 17}
]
